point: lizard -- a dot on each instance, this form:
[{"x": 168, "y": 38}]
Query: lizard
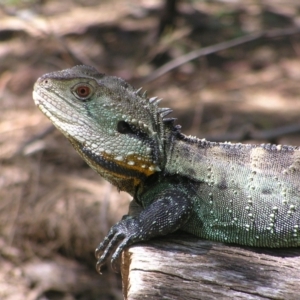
[{"x": 237, "y": 193}]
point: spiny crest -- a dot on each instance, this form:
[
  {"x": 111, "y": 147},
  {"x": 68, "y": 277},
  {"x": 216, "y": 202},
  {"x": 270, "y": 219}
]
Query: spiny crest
[
  {"x": 139, "y": 111},
  {"x": 159, "y": 114},
  {"x": 153, "y": 105}
]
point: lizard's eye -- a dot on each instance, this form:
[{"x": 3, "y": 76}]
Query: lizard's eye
[
  {"x": 124, "y": 127},
  {"x": 82, "y": 91}
]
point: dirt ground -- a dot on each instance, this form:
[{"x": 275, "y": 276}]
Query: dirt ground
[{"x": 54, "y": 210}]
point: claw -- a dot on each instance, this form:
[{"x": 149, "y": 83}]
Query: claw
[
  {"x": 115, "y": 257},
  {"x": 98, "y": 252},
  {"x": 121, "y": 235},
  {"x": 98, "y": 267},
  {"x": 114, "y": 264},
  {"x": 105, "y": 248},
  {"x": 101, "y": 261},
  {"x": 101, "y": 247},
  {"x": 110, "y": 246},
  {"x": 107, "y": 240}
]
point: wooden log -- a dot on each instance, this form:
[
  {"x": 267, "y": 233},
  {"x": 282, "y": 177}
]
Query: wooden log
[{"x": 181, "y": 266}]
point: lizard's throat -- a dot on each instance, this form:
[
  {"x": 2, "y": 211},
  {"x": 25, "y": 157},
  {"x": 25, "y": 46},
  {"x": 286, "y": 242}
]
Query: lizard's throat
[{"x": 126, "y": 178}]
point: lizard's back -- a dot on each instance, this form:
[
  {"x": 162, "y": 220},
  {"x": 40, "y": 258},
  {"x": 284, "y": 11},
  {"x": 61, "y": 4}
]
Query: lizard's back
[{"x": 246, "y": 194}]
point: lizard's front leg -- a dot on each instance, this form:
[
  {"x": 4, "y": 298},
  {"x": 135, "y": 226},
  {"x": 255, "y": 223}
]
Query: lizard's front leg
[{"x": 170, "y": 210}]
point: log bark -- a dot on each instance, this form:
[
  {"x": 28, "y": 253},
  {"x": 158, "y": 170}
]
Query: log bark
[{"x": 181, "y": 266}]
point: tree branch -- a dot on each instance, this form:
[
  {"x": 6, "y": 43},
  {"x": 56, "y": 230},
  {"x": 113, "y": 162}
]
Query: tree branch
[{"x": 177, "y": 62}]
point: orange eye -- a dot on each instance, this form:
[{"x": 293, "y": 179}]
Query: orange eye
[{"x": 83, "y": 91}]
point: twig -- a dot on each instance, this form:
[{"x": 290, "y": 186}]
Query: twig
[
  {"x": 248, "y": 134},
  {"x": 48, "y": 34},
  {"x": 175, "y": 63}
]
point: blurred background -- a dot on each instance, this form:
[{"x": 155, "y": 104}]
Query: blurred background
[{"x": 54, "y": 210}]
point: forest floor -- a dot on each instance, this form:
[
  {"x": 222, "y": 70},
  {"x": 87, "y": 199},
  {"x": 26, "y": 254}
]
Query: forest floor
[{"x": 54, "y": 210}]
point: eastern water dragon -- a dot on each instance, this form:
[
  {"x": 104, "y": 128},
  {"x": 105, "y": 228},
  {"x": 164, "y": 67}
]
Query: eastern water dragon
[{"x": 234, "y": 193}]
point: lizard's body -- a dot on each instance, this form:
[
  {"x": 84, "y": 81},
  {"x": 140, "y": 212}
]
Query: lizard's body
[{"x": 236, "y": 193}]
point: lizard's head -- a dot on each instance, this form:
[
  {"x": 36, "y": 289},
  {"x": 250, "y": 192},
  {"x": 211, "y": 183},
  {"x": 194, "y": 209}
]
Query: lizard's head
[{"x": 118, "y": 132}]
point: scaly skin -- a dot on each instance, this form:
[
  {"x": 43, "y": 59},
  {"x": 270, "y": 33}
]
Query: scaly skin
[{"x": 235, "y": 193}]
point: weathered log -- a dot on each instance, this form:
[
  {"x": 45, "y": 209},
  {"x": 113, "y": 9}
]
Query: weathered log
[{"x": 181, "y": 266}]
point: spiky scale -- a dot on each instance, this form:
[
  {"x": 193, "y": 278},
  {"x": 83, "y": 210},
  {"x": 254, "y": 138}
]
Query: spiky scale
[
  {"x": 144, "y": 95},
  {"x": 165, "y": 111},
  {"x": 138, "y": 90},
  {"x": 153, "y": 99},
  {"x": 171, "y": 120}
]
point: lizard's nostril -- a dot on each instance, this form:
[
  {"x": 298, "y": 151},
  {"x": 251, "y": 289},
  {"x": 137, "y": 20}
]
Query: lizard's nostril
[{"x": 42, "y": 80}]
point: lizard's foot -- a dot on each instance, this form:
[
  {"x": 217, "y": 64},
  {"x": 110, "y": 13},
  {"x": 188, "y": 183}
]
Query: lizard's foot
[
  {"x": 163, "y": 216},
  {"x": 123, "y": 234}
]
